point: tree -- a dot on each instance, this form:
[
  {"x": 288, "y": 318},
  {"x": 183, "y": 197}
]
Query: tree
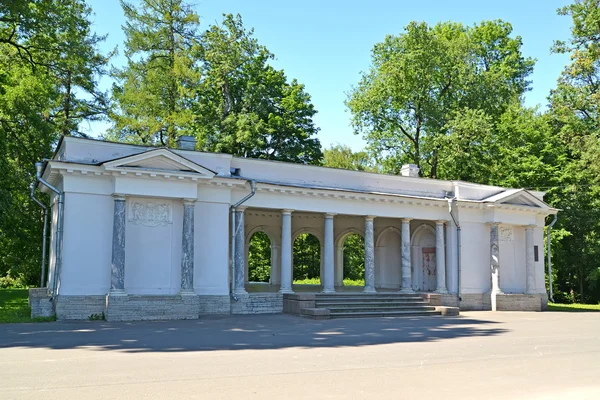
[
  {"x": 421, "y": 78},
  {"x": 259, "y": 258},
  {"x": 247, "y": 108},
  {"x": 44, "y": 46},
  {"x": 154, "y": 92},
  {"x": 341, "y": 156},
  {"x": 575, "y": 106}
]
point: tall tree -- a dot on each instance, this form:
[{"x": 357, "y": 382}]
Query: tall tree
[
  {"x": 154, "y": 91},
  {"x": 575, "y": 109},
  {"x": 341, "y": 156},
  {"x": 45, "y": 46},
  {"x": 248, "y": 108},
  {"x": 419, "y": 79}
]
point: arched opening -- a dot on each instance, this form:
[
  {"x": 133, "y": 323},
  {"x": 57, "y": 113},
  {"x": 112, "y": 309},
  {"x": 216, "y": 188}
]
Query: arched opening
[
  {"x": 388, "y": 258},
  {"x": 354, "y": 260},
  {"x": 259, "y": 258},
  {"x": 423, "y": 254},
  {"x": 307, "y": 260}
]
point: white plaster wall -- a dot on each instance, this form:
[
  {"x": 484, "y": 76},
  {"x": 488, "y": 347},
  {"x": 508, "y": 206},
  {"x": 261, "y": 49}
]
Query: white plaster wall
[
  {"x": 152, "y": 253},
  {"x": 540, "y": 277},
  {"x": 211, "y": 252},
  {"x": 475, "y": 258},
  {"x": 87, "y": 245},
  {"x": 451, "y": 257}
]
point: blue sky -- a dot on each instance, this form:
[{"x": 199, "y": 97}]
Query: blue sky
[{"x": 325, "y": 44}]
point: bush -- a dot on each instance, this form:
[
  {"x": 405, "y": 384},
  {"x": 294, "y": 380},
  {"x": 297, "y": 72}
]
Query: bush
[{"x": 13, "y": 281}]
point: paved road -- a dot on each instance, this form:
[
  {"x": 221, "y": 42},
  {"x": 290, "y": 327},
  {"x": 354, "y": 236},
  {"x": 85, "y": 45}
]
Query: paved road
[{"x": 475, "y": 356}]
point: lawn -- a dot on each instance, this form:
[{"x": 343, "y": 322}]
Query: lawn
[
  {"x": 573, "y": 307},
  {"x": 14, "y": 307}
]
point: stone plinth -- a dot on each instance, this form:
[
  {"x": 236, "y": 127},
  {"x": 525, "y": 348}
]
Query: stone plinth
[
  {"x": 79, "y": 307},
  {"x": 521, "y": 302},
  {"x": 294, "y": 303},
  {"x": 257, "y": 303},
  {"x": 146, "y": 307},
  {"x": 40, "y": 303},
  {"x": 441, "y": 299}
]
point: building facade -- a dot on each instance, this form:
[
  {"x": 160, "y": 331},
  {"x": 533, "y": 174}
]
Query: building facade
[{"x": 155, "y": 233}]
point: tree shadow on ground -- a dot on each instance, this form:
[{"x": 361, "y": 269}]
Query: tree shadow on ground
[{"x": 241, "y": 333}]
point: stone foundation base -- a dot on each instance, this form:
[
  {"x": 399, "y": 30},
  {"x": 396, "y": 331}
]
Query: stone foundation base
[
  {"x": 257, "y": 303},
  {"x": 146, "y": 307},
  {"x": 475, "y": 302},
  {"x": 40, "y": 303},
  {"x": 214, "y": 305},
  {"x": 439, "y": 299},
  {"x": 293, "y": 303},
  {"x": 79, "y": 307},
  {"x": 521, "y": 302}
]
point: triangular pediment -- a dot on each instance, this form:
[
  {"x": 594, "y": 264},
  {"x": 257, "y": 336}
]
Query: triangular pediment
[
  {"x": 159, "y": 160},
  {"x": 517, "y": 197}
]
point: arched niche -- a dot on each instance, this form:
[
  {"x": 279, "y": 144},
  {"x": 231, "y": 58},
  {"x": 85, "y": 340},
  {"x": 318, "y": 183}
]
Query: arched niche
[
  {"x": 388, "y": 258},
  {"x": 423, "y": 256}
]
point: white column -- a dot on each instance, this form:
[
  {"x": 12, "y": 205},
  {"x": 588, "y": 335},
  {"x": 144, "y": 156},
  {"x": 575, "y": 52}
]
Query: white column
[
  {"x": 369, "y": 256},
  {"x": 187, "y": 248},
  {"x": 117, "y": 275},
  {"x": 328, "y": 252},
  {"x": 406, "y": 267},
  {"x": 275, "y": 265},
  {"x": 240, "y": 253},
  {"x": 286, "y": 252},
  {"x": 494, "y": 264},
  {"x": 440, "y": 257},
  {"x": 529, "y": 260}
]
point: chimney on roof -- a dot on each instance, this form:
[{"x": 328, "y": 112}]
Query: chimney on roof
[
  {"x": 186, "y": 143},
  {"x": 411, "y": 170}
]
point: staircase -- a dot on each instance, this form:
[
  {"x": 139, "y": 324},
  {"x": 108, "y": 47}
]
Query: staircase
[{"x": 361, "y": 305}]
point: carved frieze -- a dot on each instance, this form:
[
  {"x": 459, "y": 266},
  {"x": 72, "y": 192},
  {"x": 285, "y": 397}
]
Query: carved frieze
[
  {"x": 149, "y": 213},
  {"x": 506, "y": 234}
]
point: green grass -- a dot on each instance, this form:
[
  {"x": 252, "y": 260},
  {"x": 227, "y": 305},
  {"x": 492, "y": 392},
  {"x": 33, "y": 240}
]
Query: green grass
[
  {"x": 14, "y": 307},
  {"x": 316, "y": 281},
  {"x": 573, "y": 307}
]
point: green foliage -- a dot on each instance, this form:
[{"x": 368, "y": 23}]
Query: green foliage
[
  {"x": 259, "y": 258},
  {"x": 306, "y": 257},
  {"x": 418, "y": 80},
  {"x": 354, "y": 257},
  {"x": 574, "y": 307},
  {"x": 245, "y": 106},
  {"x": 341, "y": 156},
  {"x": 154, "y": 91},
  {"x": 9, "y": 281},
  {"x": 96, "y": 317}
]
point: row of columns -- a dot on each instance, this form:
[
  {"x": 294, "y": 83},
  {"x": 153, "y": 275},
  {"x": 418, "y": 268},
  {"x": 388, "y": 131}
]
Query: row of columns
[
  {"x": 117, "y": 281},
  {"x": 529, "y": 259},
  {"x": 328, "y": 254}
]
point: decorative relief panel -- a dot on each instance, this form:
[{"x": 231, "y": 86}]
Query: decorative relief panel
[
  {"x": 506, "y": 234},
  {"x": 150, "y": 213}
]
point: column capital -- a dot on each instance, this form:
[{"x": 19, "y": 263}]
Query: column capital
[
  {"x": 119, "y": 197},
  {"x": 189, "y": 202},
  {"x": 527, "y": 227},
  {"x": 494, "y": 223},
  {"x": 330, "y": 215},
  {"x": 240, "y": 208},
  {"x": 406, "y": 220},
  {"x": 440, "y": 222},
  {"x": 287, "y": 211},
  {"x": 370, "y": 217}
]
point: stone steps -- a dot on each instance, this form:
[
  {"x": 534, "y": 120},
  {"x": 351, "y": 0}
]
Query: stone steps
[{"x": 364, "y": 305}]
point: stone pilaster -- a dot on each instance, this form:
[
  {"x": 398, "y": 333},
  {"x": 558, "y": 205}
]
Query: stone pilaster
[
  {"x": 117, "y": 275},
  {"x": 240, "y": 253},
  {"x": 328, "y": 255},
  {"x": 495, "y": 257},
  {"x": 286, "y": 252},
  {"x": 529, "y": 260},
  {"x": 406, "y": 263},
  {"x": 440, "y": 257},
  {"x": 187, "y": 248},
  {"x": 369, "y": 256}
]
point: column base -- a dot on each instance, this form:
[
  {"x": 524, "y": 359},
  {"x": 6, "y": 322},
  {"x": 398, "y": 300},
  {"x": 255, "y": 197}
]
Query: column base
[
  {"x": 369, "y": 290},
  {"x": 187, "y": 292},
  {"x": 441, "y": 291},
  {"x": 328, "y": 291},
  {"x": 117, "y": 292},
  {"x": 240, "y": 291},
  {"x": 407, "y": 291},
  {"x": 286, "y": 291}
]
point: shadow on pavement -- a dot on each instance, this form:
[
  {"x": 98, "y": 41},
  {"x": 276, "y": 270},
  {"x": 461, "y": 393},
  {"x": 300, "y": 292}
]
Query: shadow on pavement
[{"x": 240, "y": 333}]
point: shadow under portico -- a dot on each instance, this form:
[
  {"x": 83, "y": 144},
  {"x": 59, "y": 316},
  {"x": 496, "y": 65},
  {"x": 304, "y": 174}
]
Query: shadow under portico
[{"x": 242, "y": 333}]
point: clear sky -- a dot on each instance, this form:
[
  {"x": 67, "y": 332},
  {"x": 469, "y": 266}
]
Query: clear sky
[{"x": 325, "y": 44}]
